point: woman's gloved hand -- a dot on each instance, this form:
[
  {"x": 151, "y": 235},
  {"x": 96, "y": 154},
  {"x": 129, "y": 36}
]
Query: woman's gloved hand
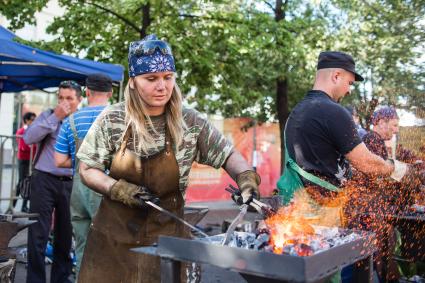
[
  {"x": 248, "y": 182},
  {"x": 130, "y": 194}
]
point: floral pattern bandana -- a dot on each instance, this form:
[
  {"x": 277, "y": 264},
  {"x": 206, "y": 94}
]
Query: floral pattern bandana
[
  {"x": 149, "y": 55},
  {"x": 386, "y": 112}
]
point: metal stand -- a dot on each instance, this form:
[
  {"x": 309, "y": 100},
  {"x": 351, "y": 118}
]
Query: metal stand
[
  {"x": 258, "y": 266},
  {"x": 363, "y": 270},
  {"x": 170, "y": 270}
]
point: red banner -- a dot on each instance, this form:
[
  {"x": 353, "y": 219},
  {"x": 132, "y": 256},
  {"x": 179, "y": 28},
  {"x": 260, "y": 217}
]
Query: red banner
[{"x": 259, "y": 145}]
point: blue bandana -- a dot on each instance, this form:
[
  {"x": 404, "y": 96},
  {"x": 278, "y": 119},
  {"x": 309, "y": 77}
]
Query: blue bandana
[{"x": 149, "y": 55}]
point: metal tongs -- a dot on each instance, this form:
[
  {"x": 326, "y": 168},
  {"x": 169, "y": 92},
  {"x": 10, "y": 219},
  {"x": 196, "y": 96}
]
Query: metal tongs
[
  {"x": 262, "y": 208},
  {"x": 265, "y": 209},
  {"x": 175, "y": 217}
]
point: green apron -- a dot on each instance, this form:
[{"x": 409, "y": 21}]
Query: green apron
[
  {"x": 84, "y": 204},
  {"x": 290, "y": 181}
]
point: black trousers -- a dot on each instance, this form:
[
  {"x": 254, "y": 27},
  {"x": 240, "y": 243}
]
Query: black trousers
[
  {"x": 49, "y": 192},
  {"x": 23, "y": 171}
]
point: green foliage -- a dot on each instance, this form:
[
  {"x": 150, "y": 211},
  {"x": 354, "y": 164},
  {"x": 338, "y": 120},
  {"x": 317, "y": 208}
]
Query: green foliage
[
  {"x": 388, "y": 39},
  {"x": 21, "y": 12},
  {"x": 229, "y": 54}
]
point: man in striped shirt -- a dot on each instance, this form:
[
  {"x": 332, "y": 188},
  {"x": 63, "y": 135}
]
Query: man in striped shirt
[{"x": 84, "y": 202}]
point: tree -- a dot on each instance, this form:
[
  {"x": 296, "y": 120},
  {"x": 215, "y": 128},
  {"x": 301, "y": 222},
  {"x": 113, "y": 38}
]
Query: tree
[
  {"x": 251, "y": 58},
  {"x": 387, "y": 37},
  {"x": 235, "y": 58}
]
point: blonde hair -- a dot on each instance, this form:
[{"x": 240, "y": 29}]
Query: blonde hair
[{"x": 135, "y": 117}]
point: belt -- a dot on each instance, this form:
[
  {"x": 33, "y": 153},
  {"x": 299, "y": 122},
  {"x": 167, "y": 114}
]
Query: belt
[{"x": 60, "y": 178}]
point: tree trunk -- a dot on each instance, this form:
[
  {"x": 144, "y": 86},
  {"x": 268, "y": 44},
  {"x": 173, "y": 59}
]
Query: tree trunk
[
  {"x": 146, "y": 20},
  {"x": 282, "y": 114},
  {"x": 372, "y": 106},
  {"x": 281, "y": 89},
  {"x": 279, "y": 13}
]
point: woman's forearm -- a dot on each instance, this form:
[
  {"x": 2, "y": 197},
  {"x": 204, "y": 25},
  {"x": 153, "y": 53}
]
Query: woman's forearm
[
  {"x": 96, "y": 179},
  {"x": 236, "y": 164}
]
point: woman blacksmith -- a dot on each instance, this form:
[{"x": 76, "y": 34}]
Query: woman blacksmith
[{"x": 146, "y": 145}]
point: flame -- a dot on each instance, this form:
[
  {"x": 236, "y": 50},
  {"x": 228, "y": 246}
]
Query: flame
[{"x": 287, "y": 227}]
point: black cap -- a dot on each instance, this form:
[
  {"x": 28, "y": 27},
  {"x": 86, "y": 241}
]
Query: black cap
[
  {"x": 336, "y": 59},
  {"x": 99, "y": 82}
]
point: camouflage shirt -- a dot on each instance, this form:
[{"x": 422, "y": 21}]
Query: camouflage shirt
[{"x": 202, "y": 142}]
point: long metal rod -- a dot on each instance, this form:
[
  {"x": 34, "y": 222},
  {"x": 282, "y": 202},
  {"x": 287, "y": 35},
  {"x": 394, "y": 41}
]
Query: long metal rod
[{"x": 172, "y": 215}]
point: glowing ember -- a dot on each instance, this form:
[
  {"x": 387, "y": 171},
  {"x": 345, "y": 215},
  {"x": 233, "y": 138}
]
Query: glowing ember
[
  {"x": 288, "y": 228},
  {"x": 324, "y": 239}
]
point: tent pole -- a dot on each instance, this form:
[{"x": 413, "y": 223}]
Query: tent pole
[
  {"x": 120, "y": 93},
  {"x": 20, "y": 103}
]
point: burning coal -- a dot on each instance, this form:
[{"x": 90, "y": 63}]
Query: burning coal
[{"x": 321, "y": 240}]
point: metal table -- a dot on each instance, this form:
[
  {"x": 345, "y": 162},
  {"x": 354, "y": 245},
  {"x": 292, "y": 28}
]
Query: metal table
[{"x": 260, "y": 265}]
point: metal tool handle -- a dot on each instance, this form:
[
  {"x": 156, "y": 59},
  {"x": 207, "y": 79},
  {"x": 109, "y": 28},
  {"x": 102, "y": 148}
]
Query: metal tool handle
[
  {"x": 266, "y": 209},
  {"x": 175, "y": 217},
  {"x": 261, "y": 207}
]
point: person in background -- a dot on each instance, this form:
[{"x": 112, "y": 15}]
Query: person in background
[
  {"x": 353, "y": 112},
  {"x": 385, "y": 125},
  {"x": 51, "y": 190},
  {"x": 84, "y": 202},
  {"x": 148, "y": 144},
  {"x": 394, "y": 199},
  {"x": 380, "y": 140},
  {"x": 24, "y": 152}
]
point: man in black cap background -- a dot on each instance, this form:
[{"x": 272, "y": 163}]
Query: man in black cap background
[{"x": 84, "y": 202}]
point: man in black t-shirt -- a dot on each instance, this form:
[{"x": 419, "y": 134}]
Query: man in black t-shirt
[{"x": 321, "y": 135}]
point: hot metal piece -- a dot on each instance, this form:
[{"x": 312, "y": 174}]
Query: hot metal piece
[{"x": 235, "y": 222}]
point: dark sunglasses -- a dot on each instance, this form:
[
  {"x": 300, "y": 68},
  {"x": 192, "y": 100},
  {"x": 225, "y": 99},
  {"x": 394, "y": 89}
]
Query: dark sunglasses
[
  {"x": 70, "y": 84},
  {"x": 149, "y": 47}
]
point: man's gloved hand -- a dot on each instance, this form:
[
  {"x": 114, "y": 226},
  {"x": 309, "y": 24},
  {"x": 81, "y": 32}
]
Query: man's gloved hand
[
  {"x": 400, "y": 170},
  {"x": 130, "y": 194},
  {"x": 248, "y": 183}
]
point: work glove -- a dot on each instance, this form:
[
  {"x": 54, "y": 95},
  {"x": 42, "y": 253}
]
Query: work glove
[
  {"x": 401, "y": 170},
  {"x": 248, "y": 182},
  {"x": 408, "y": 173},
  {"x": 130, "y": 194}
]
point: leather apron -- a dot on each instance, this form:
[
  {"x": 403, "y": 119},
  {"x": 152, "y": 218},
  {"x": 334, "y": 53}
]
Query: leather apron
[{"x": 118, "y": 228}]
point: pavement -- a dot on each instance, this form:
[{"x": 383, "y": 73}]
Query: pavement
[{"x": 212, "y": 224}]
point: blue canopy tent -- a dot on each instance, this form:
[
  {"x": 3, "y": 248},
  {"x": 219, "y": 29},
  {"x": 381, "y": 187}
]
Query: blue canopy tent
[{"x": 25, "y": 68}]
